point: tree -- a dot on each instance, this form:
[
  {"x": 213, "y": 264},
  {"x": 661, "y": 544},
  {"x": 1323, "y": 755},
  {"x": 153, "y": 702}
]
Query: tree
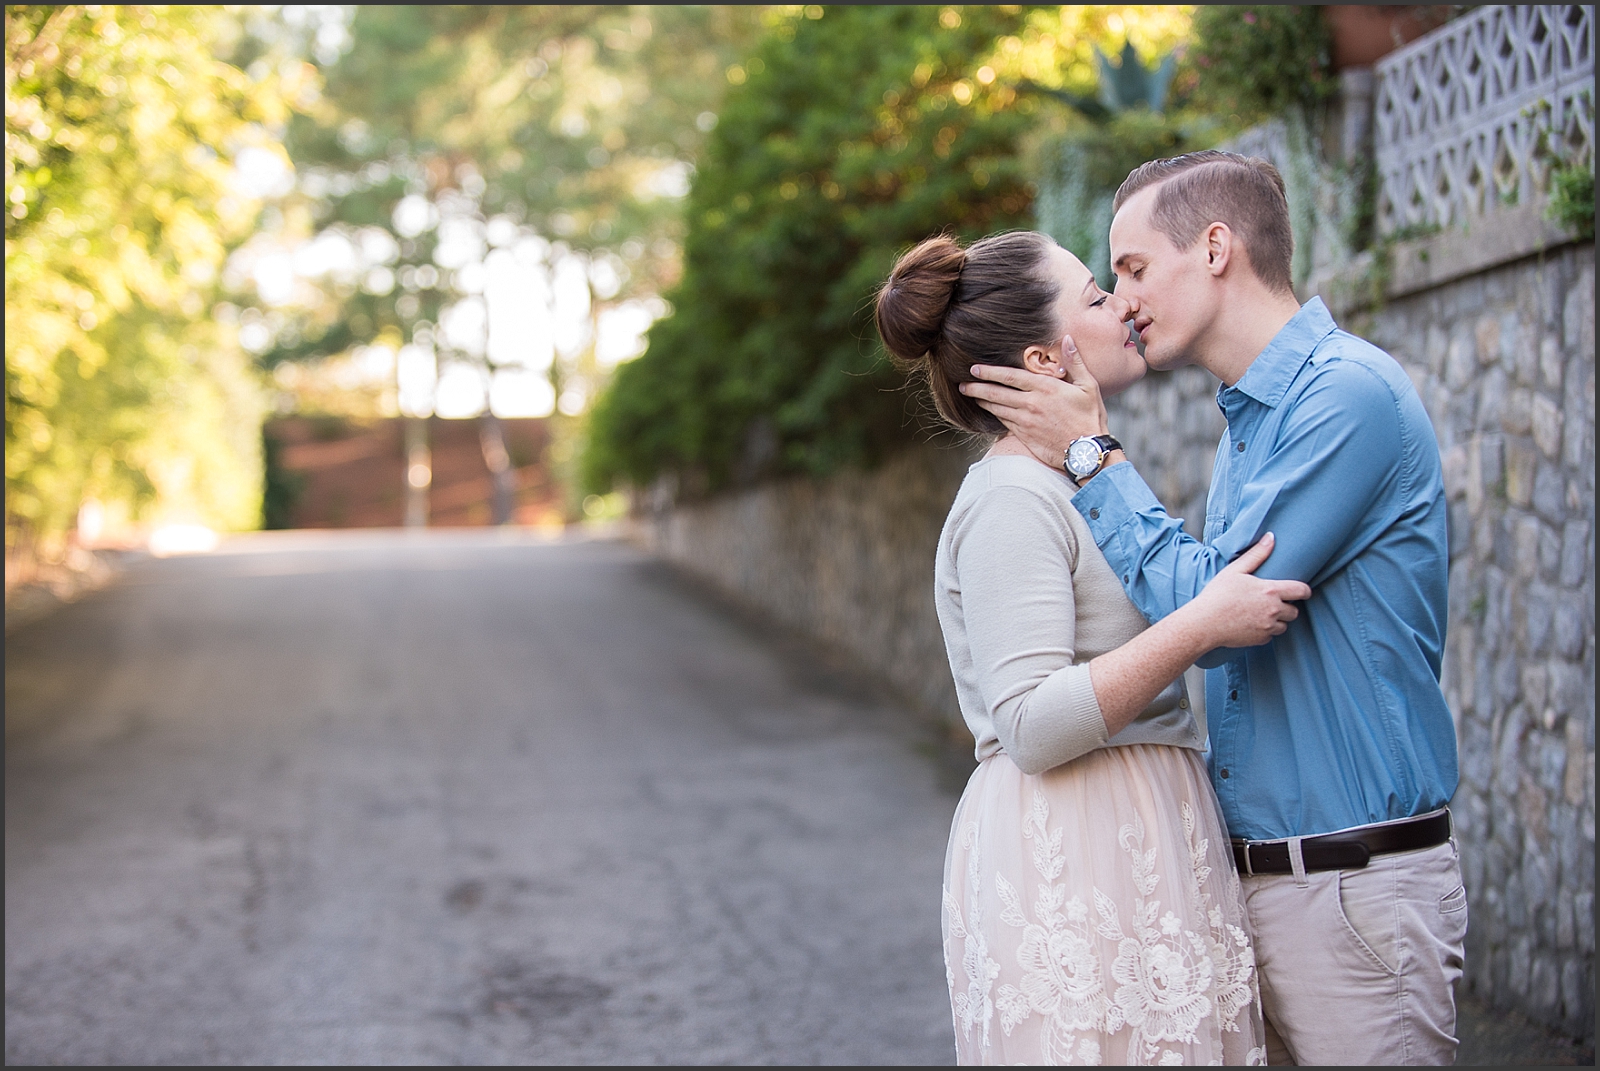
[
  {"x": 852, "y": 132},
  {"x": 122, "y": 128},
  {"x": 451, "y": 140}
]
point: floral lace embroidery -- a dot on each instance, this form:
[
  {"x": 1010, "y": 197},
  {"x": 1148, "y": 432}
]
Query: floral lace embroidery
[
  {"x": 974, "y": 1006},
  {"x": 1168, "y": 978}
]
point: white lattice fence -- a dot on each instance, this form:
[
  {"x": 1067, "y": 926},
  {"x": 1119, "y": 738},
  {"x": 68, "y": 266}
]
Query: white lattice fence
[{"x": 1474, "y": 114}]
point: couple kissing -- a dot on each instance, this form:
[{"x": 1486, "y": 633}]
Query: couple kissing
[{"x": 1124, "y": 883}]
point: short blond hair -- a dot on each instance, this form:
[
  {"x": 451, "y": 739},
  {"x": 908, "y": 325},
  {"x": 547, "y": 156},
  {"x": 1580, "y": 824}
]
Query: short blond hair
[{"x": 1198, "y": 189}]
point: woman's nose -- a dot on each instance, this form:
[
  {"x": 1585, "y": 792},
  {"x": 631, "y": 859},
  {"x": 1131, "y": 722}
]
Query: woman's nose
[{"x": 1128, "y": 308}]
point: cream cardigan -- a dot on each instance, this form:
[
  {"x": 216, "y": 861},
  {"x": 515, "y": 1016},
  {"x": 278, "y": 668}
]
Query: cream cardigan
[{"x": 1026, "y": 600}]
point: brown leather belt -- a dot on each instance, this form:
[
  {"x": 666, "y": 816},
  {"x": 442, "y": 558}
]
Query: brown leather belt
[{"x": 1350, "y": 849}]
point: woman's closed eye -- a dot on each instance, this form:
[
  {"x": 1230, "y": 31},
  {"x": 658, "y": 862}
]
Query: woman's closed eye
[{"x": 1103, "y": 299}]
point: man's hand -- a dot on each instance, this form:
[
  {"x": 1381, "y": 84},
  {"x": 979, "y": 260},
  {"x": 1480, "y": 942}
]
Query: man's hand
[{"x": 1044, "y": 413}]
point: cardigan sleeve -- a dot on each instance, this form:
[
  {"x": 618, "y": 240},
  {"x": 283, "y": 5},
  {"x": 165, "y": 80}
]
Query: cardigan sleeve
[{"x": 1014, "y": 556}]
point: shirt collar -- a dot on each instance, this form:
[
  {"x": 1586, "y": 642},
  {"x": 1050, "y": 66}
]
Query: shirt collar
[{"x": 1269, "y": 375}]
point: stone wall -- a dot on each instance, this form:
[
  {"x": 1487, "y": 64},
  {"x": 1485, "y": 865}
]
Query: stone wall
[
  {"x": 847, "y": 561},
  {"x": 1504, "y": 361}
]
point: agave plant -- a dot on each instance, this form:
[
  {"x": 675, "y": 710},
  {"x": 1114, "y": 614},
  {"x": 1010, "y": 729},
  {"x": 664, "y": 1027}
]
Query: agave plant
[
  {"x": 1123, "y": 86},
  {"x": 1128, "y": 126}
]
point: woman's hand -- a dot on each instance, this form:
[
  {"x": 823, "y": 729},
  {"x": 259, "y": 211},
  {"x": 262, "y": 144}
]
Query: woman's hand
[{"x": 1238, "y": 609}]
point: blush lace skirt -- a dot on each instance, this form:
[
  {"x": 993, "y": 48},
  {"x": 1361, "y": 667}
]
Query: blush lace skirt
[{"x": 1092, "y": 915}]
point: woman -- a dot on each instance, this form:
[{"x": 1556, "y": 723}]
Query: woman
[{"x": 1091, "y": 910}]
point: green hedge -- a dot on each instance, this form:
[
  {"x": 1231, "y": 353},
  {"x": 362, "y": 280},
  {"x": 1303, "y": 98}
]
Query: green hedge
[{"x": 852, "y": 136}]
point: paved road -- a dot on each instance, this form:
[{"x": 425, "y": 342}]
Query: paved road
[{"x": 361, "y": 797}]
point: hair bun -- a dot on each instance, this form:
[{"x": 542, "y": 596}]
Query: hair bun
[{"x": 915, "y": 300}]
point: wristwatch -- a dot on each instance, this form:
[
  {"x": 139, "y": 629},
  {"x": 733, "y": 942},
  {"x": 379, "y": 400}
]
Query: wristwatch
[{"x": 1086, "y": 455}]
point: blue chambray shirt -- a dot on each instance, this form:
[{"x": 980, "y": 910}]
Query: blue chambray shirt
[{"x": 1340, "y": 721}]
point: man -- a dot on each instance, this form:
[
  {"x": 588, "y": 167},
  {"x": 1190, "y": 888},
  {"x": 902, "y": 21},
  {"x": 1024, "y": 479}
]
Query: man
[{"x": 1332, "y": 749}]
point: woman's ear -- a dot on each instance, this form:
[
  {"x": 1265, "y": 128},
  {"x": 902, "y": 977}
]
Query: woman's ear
[{"x": 1041, "y": 361}]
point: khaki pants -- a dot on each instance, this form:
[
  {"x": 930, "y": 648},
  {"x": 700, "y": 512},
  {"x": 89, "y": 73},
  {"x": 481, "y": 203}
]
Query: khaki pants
[{"x": 1360, "y": 966}]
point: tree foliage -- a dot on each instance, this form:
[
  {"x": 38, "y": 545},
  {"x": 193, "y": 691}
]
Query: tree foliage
[
  {"x": 121, "y": 204},
  {"x": 1134, "y": 116},
  {"x": 852, "y": 132},
  {"x": 1262, "y": 60},
  {"x": 573, "y": 122}
]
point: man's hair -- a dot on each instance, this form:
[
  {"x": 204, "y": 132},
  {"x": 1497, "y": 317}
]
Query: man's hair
[{"x": 1198, "y": 189}]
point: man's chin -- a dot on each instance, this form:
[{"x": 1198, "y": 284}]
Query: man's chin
[{"x": 1158, "y": 360}]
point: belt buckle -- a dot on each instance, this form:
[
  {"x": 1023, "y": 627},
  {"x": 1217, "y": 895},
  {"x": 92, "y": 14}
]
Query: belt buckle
[{"x": 1249, "y": 864}]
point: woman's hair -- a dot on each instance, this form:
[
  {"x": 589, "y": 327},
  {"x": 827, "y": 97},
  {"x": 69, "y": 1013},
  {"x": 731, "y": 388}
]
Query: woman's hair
[{"x": 945, "y": 309}]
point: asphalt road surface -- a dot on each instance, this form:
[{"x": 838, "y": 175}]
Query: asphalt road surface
[
  {"x": 456, "y": 798},
  {"x": 470, "y": 798}
]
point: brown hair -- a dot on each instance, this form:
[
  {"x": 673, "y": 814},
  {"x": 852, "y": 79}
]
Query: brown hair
[
  {"x": 1198, "y": 189},
  {"x": 944, "y": 309}
]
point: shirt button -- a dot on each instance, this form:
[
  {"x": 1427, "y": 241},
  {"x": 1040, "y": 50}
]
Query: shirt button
[
  {"x": 1183, "y": 704},
  {"x": 1094, "y": 515},
  {"x": 1234, "y": 694},
  {"x": 1241, "y": 448},
  {"x": 1223, "y": 773},
  {"x": 1125, "y": 580}
]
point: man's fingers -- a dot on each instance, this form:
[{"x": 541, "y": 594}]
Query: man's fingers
[
  {"x": 1077, "y": 372},
  {"x": 993, "y": 393},
  {"x": 1020, "y": 378}
]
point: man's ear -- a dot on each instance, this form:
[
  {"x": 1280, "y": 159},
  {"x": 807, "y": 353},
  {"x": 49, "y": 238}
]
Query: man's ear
[
  {"x": 1219, "y": 244},
  {"x": 1041, "y": 361}
]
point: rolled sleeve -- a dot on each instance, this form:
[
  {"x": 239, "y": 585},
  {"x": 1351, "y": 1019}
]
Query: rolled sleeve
[{"x": 1160, "y": 565}]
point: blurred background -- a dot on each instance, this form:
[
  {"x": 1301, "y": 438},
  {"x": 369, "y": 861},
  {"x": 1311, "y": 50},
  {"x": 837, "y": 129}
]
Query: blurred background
[
  {"x": 262, "y": 260},
  {"x": 568, "y": 271}
]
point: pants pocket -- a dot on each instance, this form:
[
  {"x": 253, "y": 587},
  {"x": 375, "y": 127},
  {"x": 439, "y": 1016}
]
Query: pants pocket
[{"x": 1369, "y": 912}]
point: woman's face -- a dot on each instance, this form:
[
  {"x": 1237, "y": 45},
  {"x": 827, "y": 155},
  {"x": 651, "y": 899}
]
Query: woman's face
[{"x": 1097, "y": 322}]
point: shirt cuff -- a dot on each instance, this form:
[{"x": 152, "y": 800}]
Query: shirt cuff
[{"x": 1112, "y": 499}]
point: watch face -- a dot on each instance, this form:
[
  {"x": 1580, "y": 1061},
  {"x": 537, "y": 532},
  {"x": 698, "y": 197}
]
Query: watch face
[{"x": 1083, "y": 457}]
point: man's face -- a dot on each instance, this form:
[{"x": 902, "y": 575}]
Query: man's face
[{"x": 1171, "y": 290}]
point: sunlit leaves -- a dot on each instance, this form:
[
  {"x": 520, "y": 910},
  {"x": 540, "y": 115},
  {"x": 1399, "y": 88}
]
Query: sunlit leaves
[
  {"x": 122, "y": 199},
  {"x": 579, "y": 122},
  {"x": 852, "y": 135}
]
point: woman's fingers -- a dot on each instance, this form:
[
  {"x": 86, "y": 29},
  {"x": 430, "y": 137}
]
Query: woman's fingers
[{"x": 1251, "y": 559}]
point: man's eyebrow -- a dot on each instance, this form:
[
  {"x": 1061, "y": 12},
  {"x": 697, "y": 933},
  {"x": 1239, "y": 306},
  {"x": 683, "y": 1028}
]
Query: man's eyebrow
[{"x": 1124, "y": 258}]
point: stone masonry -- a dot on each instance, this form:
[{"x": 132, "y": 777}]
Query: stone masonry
[{"x": 1504, "y": 362}]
